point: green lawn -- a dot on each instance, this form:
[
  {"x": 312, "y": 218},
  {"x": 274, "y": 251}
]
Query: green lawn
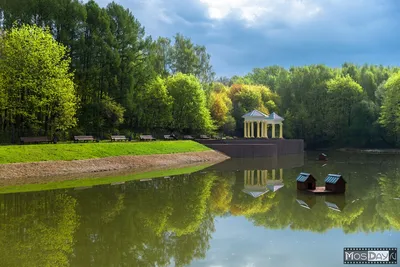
[
  {"x": 72, "y": 151},
  {"x": 93, "y": 181}
]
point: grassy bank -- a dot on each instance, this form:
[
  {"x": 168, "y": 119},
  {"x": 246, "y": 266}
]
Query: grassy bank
[
  {"x": 51, "y": 152},
  {"x": 92, "y": 181}
]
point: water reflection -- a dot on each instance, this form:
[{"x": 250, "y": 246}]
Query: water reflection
[
  {"x": 170, "y": 221},
  {"x": 256, "y": 182}
]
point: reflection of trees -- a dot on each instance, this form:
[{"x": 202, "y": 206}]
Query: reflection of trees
[
  {"x": 161, "y": 220},
  {"x": 221, "y": 196},
  {"x": 389, "y": 206},
  {"x": 36, "y": 229}
]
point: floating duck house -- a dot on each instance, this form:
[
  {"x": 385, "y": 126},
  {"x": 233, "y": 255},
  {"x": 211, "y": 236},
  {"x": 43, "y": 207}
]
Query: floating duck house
[
  {"x": 306, "y": 181},
  {"x": 335, "y": 183}
]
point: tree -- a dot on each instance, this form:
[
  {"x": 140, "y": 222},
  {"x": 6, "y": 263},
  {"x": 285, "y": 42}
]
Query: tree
[
  {"x": 390, "y": 112},
  {"x": 189, "y": 109},
  {"x": 155, "y": 108},
  {"x": 220, "y": 106},
  {"x": 188, "y": 58},
  {"x": 343, "y": 94},
  {"x": 161, "y": 53},
  {"x": 38, "y": 85}
]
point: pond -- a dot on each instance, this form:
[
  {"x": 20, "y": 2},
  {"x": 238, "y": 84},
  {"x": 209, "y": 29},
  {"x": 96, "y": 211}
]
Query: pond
[{"x": 214, "y": 217}]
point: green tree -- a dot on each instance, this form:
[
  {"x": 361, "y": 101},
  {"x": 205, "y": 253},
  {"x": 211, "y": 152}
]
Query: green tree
[
  {"x": 343, "y": 94},
  {"x": 35, "y": 75},
  {"x": 189, "y": 108},
  {"x": 154, "y": 109},
  {"x": 188, "y": 58},
  {"x": 390, "y": 112}
]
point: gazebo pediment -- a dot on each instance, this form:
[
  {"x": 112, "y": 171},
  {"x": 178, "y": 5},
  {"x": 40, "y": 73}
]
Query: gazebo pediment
[
  {"x": 275, "y": 117},
  {"x": 255, "y": 115}
]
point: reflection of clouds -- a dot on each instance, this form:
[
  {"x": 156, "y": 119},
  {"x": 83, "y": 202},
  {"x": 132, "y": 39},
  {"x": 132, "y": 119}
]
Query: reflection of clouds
[{"x": 237, "y": 243}]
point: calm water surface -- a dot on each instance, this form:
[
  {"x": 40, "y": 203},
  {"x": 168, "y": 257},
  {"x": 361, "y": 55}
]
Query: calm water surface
[{"x": 238, "y": 213}]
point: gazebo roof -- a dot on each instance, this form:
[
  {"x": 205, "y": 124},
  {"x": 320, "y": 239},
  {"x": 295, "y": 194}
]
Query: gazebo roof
[
  {"x": 255, "y": 114},
  {"x": 258, "y": 115},
  {"x": 275, "y": 117}
]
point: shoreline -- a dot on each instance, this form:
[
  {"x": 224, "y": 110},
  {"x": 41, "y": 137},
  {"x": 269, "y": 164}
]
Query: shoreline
[
  {"x": 47, "y": 171},
  {"x": 371, "y": 151}
]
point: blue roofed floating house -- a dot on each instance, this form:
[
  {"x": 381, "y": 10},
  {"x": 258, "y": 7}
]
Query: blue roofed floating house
[
  {"x": 305, "y": 181},
  {"x": 334, "y": 183}
]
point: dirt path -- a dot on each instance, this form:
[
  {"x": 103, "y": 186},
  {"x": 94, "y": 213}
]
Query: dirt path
[{"x": 39, "y": 171}]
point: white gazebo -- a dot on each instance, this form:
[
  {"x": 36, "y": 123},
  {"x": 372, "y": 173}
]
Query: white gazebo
[{"x": 262, "y": 121}]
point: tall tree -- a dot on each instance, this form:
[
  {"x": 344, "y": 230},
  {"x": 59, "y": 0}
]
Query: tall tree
[
  {"x": 189, "y": 58},
  {"x": 390, "y": 114},
  {"x": 34, "y": 70},
  {"x": 343, "y": 94},
  {"x": 155, "y": 109},
  {"x": 189, "y": 108}
]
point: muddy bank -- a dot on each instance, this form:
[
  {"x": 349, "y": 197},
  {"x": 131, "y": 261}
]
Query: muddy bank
[{"x": 41, "y": 171}]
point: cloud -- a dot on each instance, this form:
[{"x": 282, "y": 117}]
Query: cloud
[
  {"x": 243, "y": 34},
  {"x": 254, "y": 12}
]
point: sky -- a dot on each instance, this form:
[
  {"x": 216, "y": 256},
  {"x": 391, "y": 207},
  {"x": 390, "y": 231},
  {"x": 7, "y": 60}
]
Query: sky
[{"x": 241, "y": 35}]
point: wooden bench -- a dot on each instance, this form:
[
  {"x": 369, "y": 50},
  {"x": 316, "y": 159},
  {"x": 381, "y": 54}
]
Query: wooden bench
[
  {"x": 188, "y": 137},
  {"x": 204, "y": 137},
  {"x": 84, "y": 138},
  {"x": 118, "y": 138},
  {"x": 147, "y": 138},
  {"x": 168, "y": 137},
  {"x": 35, "y": 140}
]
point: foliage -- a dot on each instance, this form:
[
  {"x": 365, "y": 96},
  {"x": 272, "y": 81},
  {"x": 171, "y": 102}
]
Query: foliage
[
  {"x": 155, "y": 109},
  {"x": 38, "y": 90},
  {"x": 189, "y": 108},
  {"x": 390, "y": 115}
]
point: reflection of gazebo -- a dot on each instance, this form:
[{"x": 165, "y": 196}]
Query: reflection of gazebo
[
  {"x": 256, "y": 182},
  {"x": 262, "y": 121}
]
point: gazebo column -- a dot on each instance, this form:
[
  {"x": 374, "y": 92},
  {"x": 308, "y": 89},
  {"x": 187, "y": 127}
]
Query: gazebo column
[
  {"x": 273, "y": 130},
  {"x": 252, "y": 129},
  {"x": 258, "y": 129},
  {"x": 281, "y": 130},
  {"x": 263, "y": 129},
  {"x": 248, "y": 129},
  {"x": 266, "y": 129},
  {"x": 245, "y": 129},
  {"x": 281, "y": 174},
  {"x": 273, "y": 174}
]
